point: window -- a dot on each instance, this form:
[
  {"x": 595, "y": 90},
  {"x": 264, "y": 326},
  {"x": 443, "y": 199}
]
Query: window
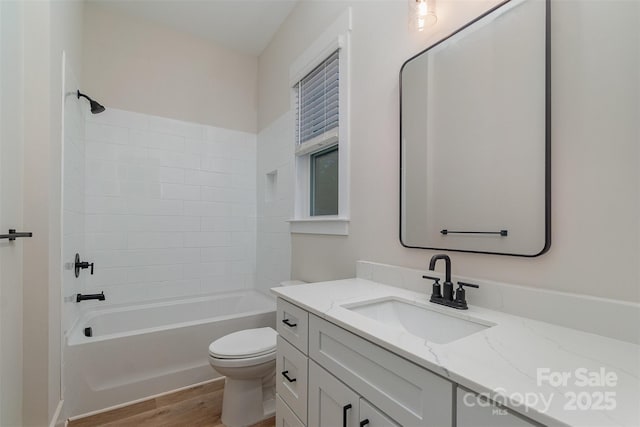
[
  {"x": 317, "y": 119},
  {"x": 319, "y": 99}
]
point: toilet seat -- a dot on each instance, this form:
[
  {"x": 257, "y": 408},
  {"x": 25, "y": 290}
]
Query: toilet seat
[
  {"x": 242, "y": 363},
  {"x": 244, "y": 348}
]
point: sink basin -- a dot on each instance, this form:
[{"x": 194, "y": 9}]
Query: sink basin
[{"x": 417, "y": 320}]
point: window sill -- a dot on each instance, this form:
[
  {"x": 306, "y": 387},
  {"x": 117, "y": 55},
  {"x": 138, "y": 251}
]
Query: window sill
[{"x": 335, "y": 226}]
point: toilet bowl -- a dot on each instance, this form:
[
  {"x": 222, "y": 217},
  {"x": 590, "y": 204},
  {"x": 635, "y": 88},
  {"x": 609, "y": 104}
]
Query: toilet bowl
[{"x": 248, "y": 361}]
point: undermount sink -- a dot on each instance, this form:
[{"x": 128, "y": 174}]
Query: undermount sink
[{"x": 417, "y": 320}]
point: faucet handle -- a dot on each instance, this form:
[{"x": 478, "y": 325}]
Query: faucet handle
[
  {"x": 435, "y": 288},
  {"x": 460, "y": 299},
  {"x": 471, "y": 285}
]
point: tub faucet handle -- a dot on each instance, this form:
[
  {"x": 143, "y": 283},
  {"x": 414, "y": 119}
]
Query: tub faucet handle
[{"x": 81, "y": 265}]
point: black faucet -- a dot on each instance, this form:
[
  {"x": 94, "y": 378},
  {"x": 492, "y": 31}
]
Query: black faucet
[
  {"x": 447, "y": 297},
  {"x": 447, "y": 287},
  {"x": 86, "y": 297}
]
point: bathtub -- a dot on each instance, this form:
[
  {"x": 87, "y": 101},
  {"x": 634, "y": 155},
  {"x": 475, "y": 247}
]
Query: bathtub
[{"x": 142, "y": 350}]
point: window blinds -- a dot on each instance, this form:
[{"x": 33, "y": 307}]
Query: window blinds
[{"x": 317, "y": 100}]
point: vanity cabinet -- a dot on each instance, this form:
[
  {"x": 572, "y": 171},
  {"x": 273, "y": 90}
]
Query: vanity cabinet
[
  {"x": 379, "y": 386},
  {"x": 329, "y": 377}
]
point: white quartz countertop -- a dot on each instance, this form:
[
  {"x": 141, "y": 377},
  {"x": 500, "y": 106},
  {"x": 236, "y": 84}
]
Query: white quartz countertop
[{"x": 515, "y": 362}]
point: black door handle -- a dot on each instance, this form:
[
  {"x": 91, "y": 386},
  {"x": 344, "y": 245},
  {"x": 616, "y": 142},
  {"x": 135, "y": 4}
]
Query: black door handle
[
  {"x": 345, "y": 408},
  {"x": 13, "y": 234},
  {"x": 289, "y": 324},
  {"x": 284, "y": 374},
  {"x": 364, "y": 422}
]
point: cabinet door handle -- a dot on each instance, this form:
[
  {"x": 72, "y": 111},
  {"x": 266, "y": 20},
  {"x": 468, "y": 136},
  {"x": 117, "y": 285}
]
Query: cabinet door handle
[
  {"x": 364, "y": 422},
  {"x": 345, "y": 408},
  {"x": 289, "y": 324},
  {"x": 284, "y": 374}
]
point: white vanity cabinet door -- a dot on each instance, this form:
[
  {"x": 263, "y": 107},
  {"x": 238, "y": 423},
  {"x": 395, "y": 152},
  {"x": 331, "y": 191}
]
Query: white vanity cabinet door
[
  {"x": 331, "y": 403},
  {"x": 410, "y": 394},
  {"x": 469, "y": 413},
  {"x": 285, "y": 416},
  {"x": 293, "y": 324},
  {"x": 291, "y": 377},
  {"x": 371, "y": 417}
]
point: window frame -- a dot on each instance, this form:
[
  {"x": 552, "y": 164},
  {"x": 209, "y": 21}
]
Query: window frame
[{"x": 336, "y": 37}]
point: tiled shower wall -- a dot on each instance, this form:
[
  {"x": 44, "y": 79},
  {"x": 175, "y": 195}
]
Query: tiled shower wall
[
  {"x": 170, "y": 207},
  {"x": 275, "y": 202}
]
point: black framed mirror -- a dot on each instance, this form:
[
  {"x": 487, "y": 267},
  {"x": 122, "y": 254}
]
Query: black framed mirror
[{"x": 475, "y": 161}]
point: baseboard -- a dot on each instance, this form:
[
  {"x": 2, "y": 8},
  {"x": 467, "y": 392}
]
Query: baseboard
[{"x": 55, "y": 420}]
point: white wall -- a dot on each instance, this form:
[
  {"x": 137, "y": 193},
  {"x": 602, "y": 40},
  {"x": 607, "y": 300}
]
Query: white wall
[
  {"x": 595, "y": 192},
  {"x": 49, "y": 28},
  {"x": 274, "y": 202},
  {"x": 11, "y": 172},
  {"x": 137, "y": 65},
  {"x": 170, "y": 207}
]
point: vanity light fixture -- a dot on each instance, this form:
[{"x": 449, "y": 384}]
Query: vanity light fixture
[{"x": 422, "y": 14}]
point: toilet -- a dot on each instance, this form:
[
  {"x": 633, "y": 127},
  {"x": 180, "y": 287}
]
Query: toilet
[{"x": 248, "y": 359}]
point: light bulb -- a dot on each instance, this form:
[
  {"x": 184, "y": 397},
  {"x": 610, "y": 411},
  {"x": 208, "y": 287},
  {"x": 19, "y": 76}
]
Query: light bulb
[
  {"x": 422, "y": 14},
  {"x": 422, "y": 8}
]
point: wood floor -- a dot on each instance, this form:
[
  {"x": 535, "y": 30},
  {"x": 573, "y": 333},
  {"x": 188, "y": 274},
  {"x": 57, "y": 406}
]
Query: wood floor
[{"x": 198, "y": 406}]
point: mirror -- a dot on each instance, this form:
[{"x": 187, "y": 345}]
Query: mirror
[{"x": 475, "y": 136}]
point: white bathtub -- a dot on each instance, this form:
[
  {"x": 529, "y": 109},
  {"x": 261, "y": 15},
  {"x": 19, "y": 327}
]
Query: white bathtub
[{"x": 146, "y": 349}]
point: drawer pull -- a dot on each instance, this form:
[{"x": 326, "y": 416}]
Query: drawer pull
[
  {"x": 364, "y": 422},
  {"x": 345, "y": 408},
  {"x": 289, "y": 324},
  {"x": 284, "y": 374}
]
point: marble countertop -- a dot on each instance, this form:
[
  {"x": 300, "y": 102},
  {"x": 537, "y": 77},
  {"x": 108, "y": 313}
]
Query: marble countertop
[{"x": 549, "y": 373}]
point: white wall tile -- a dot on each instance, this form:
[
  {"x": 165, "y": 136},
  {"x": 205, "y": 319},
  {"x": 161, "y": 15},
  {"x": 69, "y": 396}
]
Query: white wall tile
[
  {"x": 210, "y": 179},
  {"x": 180, "y": 192},
  {"x": 203, "y": 239},
  {"x": 155, "y": 239},
  {"x": 138, "y": 206},
  {"x": 102, "y": 241},
  {"x": 106, "y": 133},
  {"x": 208, "y": 209},
  {"x": 159, "y": 141},
  {"x": 171, "y": 175},
  {"x": 238, "y": 195}
]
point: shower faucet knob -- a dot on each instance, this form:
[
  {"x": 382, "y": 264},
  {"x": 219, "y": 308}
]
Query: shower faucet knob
[{"x": 81, "y": 265}]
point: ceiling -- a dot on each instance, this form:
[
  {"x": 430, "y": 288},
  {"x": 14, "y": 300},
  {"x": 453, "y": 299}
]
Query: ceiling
[{"x": 242, "y": 25}]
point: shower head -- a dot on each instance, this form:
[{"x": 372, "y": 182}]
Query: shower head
[{"x": 95, "y": 107}]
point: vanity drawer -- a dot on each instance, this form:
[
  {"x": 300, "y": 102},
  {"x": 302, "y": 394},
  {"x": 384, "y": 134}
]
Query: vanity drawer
[
  {"x": 293, "y": 324},
  {"x": 408, "y": 393},
  {"x": 285, "y": 416},
  {"x": 291, "y": 377}
]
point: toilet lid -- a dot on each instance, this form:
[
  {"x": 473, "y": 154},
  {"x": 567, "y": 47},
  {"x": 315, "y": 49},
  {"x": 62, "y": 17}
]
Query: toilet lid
[{"x": 246, "y": 343}]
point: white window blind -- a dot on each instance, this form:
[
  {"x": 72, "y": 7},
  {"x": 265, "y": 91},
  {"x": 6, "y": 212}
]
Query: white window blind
[{"x": 317, "y": 101}]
